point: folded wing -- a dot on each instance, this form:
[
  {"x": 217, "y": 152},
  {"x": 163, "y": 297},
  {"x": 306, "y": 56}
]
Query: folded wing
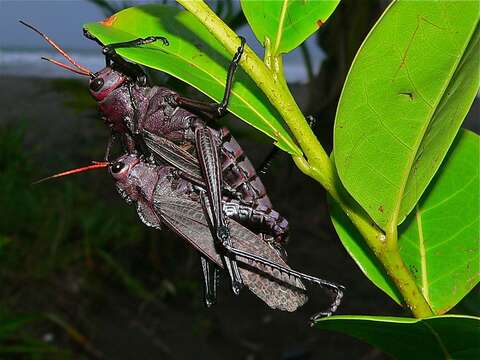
[{"x": 186, "y": 218}]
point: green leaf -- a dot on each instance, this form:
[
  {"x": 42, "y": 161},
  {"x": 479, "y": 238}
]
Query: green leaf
[
  {"x": 442, "y": 337},
  {"x": 195, "y": 57},
  {"x": 439, "y": 241},
  {"x": 358, "y": 249},
  {"x": 287, "y": 23},
  {"x": 409, "y": 89},
  {"x": 10, "y": 325}
]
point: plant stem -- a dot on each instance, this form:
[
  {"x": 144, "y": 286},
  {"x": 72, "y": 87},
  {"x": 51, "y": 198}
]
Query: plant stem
[
  {"x": 398, "y": 272},
  {"x": 272, "y": 87},
  {"x": 318, "y": 164}
]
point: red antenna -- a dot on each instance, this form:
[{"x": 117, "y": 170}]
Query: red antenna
[
  {"x": 95, "y": 165},
  {"x": 81, "y": 69},
  {"x": 62, "y": 65}
]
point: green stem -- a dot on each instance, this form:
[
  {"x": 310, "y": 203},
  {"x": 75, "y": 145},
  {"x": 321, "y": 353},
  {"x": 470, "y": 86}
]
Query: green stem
[
  {"x": 317, "y": 163},
  {"x": 270, "y": 85},
  {"x": 389, "y": 255},
  {"x": 384, "y": 246}
]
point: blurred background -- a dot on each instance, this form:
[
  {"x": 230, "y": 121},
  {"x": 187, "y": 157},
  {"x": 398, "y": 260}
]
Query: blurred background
[{"x": 82, "y": 278}]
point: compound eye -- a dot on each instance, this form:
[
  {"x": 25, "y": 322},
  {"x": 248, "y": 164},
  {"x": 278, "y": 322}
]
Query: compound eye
[
  {"x": 117, "y": 167},
  {"x": 96, "y": 84}
]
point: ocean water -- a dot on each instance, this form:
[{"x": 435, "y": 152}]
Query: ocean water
[{"x": 28, "y": 62}]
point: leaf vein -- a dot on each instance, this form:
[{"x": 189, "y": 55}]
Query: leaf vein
[
  {"x": 380, "y": 120},
  {"x": 438, "y": 339},
  {"x": 452, "y": 236},
  {"x": 449, "y": 196},
  {"x": 453, "y": 270},
  {"x": 423, "y": 257}
]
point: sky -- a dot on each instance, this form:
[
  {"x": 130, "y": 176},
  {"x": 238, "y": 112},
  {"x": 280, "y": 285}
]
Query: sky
[{"x": 62, "y": 19}]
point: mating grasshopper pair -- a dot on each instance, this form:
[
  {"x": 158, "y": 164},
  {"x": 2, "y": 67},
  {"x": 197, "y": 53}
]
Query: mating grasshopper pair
[{"x": 181, "y": 171}]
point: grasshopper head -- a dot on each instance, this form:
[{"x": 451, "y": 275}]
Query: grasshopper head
[{"x": 104, "y": 82}]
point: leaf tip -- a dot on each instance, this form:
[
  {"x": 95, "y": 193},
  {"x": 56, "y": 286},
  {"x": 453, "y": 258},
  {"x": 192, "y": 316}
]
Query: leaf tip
[{"x": 109, "y": 21}]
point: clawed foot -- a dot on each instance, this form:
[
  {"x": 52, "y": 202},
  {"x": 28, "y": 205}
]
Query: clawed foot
[
  {"x": 110, "y": 49},
  {"x": 318, "y": 316},
  {"x": 151, "y": 39},
  {"x": 237, "y": 286}
]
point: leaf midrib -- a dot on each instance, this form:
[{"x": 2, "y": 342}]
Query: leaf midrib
[
  {"x": 438, "y": 339},
  {"x": 395, "y": 214},
  {"x": 278, "y": 37},
  {"x": 423, "y": 257}
]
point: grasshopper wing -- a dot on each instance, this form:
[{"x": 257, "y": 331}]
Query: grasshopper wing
[
  {"x": 186, "y": 218},
  {"x": 172, "y": 154}
]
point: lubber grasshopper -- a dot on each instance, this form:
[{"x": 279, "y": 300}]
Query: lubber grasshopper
[
  {"x": 158, "y": 123},
  {"x": 132, "y": 110},
  {"x": 162, "y": 197}
]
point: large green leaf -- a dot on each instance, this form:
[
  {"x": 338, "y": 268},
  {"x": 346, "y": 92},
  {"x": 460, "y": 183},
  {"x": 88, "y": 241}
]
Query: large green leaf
[
  {"x": 193, "y": 56},
  {"x": 286, "y": 23},
  {"x": 407, "y": 92},
  {"x": 439, "y": 241},
  {"x": 358, "y": 249},
  {"x": 442, "y": 337}
]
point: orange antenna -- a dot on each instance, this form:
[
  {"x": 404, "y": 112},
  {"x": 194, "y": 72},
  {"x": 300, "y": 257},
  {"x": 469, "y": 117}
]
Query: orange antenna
[
  {"x": 95, "y": 165},
  {"x": 62, "y": 65},
  {"x": 81, "y": 68}
]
